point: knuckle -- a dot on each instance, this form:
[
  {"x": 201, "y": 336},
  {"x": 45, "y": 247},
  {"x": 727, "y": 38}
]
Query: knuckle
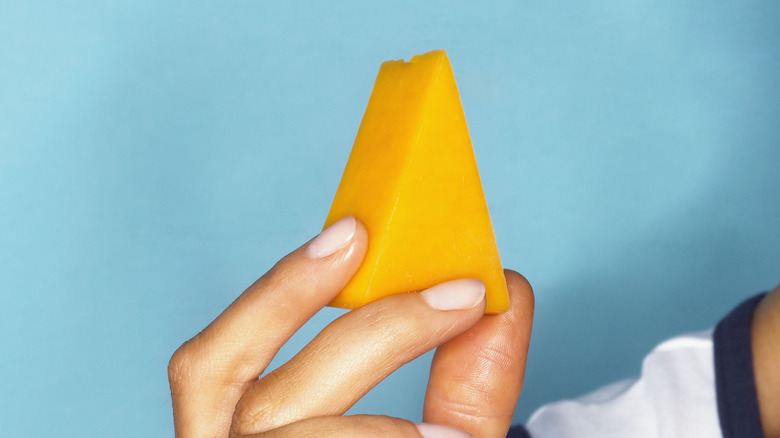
[
  {"x": 382, "y": 319},
  {"x": 472, "y": 405},
  {"x": 244, "y": 417},
  {"x": 403, "y": 323},
  {"x": 258, "y": 410},
  {"x": 496, "y": 358},
  {"x": 390, "y": 323},
  {"x": 183, "y": 366},
  {"x": 479, "y": 396},
  {"x": 178, "y": 365}
]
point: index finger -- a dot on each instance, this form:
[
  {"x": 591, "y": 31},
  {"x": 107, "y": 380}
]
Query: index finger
[{"x": 210, "y": 372}]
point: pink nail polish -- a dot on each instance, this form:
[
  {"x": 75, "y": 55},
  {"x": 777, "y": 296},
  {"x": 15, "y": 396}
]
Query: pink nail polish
[
  {"x": 332, "y": 238},
  {"x": 455, "y": 295},
  {"x": 438, "y": 431}
]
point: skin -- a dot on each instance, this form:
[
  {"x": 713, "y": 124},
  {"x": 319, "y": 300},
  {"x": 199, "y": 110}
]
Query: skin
[
  {"x": 765, "y": 340},
  {"x": 476, "y": 376}
]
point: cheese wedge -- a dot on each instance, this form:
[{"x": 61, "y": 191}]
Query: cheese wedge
[{"x": 412, "y": 180}]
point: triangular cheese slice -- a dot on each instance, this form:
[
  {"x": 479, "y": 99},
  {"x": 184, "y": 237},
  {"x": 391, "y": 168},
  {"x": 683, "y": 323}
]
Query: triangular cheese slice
[{"x": 412, "y": 180}]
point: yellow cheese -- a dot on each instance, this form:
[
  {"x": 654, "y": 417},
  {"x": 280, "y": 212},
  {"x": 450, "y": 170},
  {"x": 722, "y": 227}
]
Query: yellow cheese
[{"x": 412, "y": 180}]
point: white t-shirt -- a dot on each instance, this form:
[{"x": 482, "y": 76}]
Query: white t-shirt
[{"x": 699, "y": 385}]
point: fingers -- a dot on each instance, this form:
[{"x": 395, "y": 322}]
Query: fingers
[
  {"x": 209, "y": 373},
  {"x": 360, "y": 426},
  {"x": 357, "y": 351},
  {"x": 476, "y": 377}
]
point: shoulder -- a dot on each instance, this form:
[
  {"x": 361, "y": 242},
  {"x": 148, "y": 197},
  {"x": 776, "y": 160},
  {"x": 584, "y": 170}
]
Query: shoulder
[{"x": 699, "y": 384}]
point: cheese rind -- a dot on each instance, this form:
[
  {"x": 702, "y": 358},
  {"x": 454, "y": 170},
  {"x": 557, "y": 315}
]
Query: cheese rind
[{"x": 412, "y": 180}]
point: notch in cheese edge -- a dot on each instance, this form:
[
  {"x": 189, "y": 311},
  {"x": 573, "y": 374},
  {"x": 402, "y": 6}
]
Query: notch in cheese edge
[{"x": 412, "y": 180}]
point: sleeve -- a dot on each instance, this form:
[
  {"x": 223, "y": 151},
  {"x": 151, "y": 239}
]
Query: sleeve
[
  {"x": 734, "y": 379},
  {"x": 700, "y": 384}
]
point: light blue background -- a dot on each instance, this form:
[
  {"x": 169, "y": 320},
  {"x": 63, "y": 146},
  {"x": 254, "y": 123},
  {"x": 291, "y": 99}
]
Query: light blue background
[{"x": 157, "y": 157}]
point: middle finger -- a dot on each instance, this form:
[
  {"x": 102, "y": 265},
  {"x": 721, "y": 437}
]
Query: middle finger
[{"x": 356, "y": 352}]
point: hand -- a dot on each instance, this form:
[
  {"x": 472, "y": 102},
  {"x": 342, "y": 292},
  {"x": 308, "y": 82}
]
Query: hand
[{"x": 476, "y": 376}]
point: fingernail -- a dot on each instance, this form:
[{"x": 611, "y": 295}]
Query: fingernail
[
  {"x": 455, "y": 295},
  {"x": 332, "y": 238},
  {"x": 438, "y": 431}
]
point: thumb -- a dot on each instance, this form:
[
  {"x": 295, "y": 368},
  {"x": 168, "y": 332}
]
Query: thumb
[{"x": 477, "y": 376}]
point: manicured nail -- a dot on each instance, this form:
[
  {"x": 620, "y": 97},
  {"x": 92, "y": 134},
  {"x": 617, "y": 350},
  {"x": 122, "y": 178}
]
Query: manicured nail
[
  {"x": 437, "y": 431},
  {"x": 332, "y": 238},
  {"x": 455, "y": 295}
]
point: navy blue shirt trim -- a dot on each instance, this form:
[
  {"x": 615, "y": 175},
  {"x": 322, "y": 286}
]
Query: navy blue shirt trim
[
  {"x": 518, "y": 432},
  {"x": 734, "y": 380}
]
